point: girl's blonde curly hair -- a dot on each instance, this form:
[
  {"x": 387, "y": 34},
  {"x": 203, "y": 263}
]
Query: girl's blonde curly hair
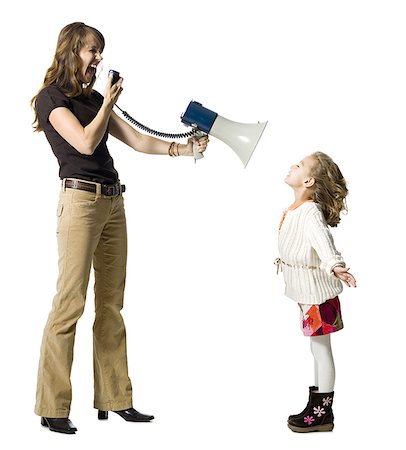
[{"x": 330, "y": 188}]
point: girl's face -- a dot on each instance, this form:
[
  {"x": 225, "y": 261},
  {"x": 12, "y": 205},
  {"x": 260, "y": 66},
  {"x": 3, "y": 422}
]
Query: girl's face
[
  {"x": 90, "y": 55},
  {"x": 299, "y": 174}
]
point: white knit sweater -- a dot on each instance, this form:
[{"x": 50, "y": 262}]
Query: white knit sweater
[{"x": 308, "y": 256}]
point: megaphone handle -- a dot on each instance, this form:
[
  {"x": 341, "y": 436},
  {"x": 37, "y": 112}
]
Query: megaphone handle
[{"x": 197, "y": 155}]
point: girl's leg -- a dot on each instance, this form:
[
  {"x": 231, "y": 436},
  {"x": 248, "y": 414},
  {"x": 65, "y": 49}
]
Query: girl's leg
[
  {"x": 323, "y": 362},
  {"x": 316, "y": 370},
  {"x": 318, "y": 414}
]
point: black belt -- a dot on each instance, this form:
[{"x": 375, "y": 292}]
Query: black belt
[{"x": 110, "y": 190}]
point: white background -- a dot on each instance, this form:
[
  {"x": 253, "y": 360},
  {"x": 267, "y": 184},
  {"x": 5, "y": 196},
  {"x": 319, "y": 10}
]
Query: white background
[{"x": 215, "y": 352}]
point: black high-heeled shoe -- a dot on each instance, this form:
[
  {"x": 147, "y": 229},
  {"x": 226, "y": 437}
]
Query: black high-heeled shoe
[
  {"x": 130, "y": 415},
  {"x": 63, "y": 425}
]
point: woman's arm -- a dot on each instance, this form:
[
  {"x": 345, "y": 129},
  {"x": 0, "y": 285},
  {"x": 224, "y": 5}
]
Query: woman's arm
[
  {"x": 86, "y": 139},
  {"x": 149, "y": 144}
]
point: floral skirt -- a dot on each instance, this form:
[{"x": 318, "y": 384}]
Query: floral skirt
[{"x": 317, "y": 320}]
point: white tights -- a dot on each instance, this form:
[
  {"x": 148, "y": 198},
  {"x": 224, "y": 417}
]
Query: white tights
[{"x": 324, "y": 370}]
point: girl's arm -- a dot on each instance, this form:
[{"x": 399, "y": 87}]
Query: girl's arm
[
  {"x": 322, "y": 241},
  {"x": 86, "y": 139},
  {"x": 149, "y": 144}
]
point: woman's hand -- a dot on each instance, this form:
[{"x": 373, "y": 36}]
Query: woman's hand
[
  {"x": 342, "y": 274},
  {"x": 187, "y": 149},
  {"x": 112, "y": 92}
]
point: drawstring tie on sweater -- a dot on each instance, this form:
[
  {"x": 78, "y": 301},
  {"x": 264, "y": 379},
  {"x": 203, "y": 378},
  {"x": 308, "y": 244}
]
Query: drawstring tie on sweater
[{"x": 278, "y": 263}]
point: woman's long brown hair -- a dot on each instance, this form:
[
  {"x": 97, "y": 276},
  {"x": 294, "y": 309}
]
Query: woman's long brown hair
[{"x": 66, "y": 64}]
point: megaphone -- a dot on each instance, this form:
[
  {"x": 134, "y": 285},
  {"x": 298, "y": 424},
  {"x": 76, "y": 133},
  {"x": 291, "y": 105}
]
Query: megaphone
[{"x": 240, "y": 137}]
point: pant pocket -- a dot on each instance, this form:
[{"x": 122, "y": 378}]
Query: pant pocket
[
  {"x": 83, "y": 199},
  {"x": 59, "y": 213}
]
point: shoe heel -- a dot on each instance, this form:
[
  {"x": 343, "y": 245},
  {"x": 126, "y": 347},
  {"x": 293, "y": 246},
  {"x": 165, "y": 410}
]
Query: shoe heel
[
  {"x": 103, "y": 415},
  {"x": 44, "y": 423}
]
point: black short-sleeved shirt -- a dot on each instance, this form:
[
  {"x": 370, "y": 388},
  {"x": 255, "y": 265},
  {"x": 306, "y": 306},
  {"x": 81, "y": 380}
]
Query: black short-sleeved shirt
[{"x": 98, "y": 167}]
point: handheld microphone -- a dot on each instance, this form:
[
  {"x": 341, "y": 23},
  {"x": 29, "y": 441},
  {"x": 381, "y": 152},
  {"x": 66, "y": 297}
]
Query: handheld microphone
[{"x": 116, "y": 76}]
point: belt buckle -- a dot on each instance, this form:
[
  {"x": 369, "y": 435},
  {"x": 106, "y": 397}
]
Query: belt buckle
[{"x": 111, "y": 190}]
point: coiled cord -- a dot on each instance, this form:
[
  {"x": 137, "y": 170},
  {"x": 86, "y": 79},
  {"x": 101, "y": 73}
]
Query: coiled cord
[{"x": 188, "y": 134}]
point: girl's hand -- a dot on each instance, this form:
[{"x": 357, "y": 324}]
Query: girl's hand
[
  {"x": 187, "y": 150},
  {"x": 342, "y": 274},
  {"x": 112, "y": 92}
]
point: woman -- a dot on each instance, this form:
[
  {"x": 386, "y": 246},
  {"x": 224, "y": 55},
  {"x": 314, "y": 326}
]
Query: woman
[{"x": 91, "y": 226}]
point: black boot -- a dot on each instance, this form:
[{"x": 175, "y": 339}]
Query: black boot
[
  {"x": 130, "y": 415},
  {"x": 318, "y": 416},
  {"x": 311, "y": 389},
  {"x": 63, "y": 425}
]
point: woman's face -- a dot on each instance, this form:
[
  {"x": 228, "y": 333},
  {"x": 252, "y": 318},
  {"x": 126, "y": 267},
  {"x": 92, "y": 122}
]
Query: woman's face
[
  {"x": 90, "y": 55},
  {"x": 300, "y": 173}
]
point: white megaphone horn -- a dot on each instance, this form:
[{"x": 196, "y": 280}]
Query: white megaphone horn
[{"x": 241, "y": 137}]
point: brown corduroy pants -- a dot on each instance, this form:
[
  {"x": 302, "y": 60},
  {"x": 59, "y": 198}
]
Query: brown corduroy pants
[{"x": 91, "y": 229}]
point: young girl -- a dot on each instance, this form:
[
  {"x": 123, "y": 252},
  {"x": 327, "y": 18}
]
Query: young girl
[
  {"x": 313, "y": 271},
  {"x": 91, "y": 228}
]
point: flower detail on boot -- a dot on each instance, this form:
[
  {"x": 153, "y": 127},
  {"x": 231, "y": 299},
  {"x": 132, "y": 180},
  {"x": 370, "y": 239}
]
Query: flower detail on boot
[
  {"x": 308, "y": 420},
  {"x": 319, "y": 411},
  {"x": 327, "y": 401}
]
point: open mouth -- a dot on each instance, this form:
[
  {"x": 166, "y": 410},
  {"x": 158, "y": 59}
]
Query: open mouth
[{"x": 91, "y": 71}]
